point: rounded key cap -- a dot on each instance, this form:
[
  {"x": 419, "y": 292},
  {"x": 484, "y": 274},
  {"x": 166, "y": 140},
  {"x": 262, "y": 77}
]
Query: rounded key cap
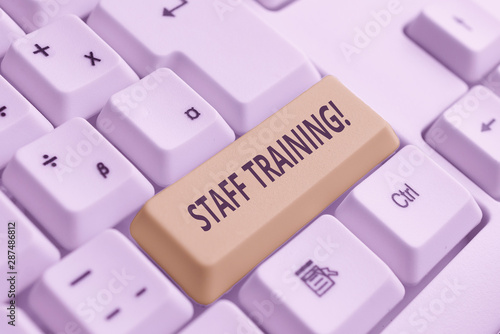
[
  {"x": 410, "y": 212},
  {"x": 108, "y": 286},
  {"x": 222, "y": 317},
  {"x": 75, "y": 182},
  {"x": 241, "y": 66},
  {"x": 31, "y": 252},
  {"x": 468, "y": 133},
  {"x": 460, "y": 34},
  {"x": 66, "y": 70},
  {"x": 20, "y": 122},
  {"x": 163, "y": 126},
  {"x": 323, "y": 281}
]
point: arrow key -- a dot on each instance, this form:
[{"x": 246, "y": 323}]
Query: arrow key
[
  {"x": 461, "y": 35},
  {"x": 468, "y": 133}
]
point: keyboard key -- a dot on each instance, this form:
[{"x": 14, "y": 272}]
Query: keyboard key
[
  {"x": 222, "y": 317},
  {"x": 34, "y": 14},
  {"x": 9, "y": 31},
  {"x": 410, "y": 212},
  {"x": 18, "y": 323},
  {"x": 342, "y": 47},
  {"x": 164, "y": 126},
  {"x": 221, "y": 226},
  {"x": 31, "y": 252},
  {"x": 244, "y": 77},
  {"x": 324, "y": 281},
  {"x": 75, "y": 183},
  {"x": 20, "y": 122},
  {"x": 468, "y": 133},
  {"x": 66, "y": 70},
  {"x": 460, "y": 34},
  {"x": 108, "y": 286}
]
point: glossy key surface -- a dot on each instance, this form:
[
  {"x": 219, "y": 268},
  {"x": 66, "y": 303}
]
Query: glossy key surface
[
  {"x": 108, "y": 286},
  {"x": 235, "y": 209}
]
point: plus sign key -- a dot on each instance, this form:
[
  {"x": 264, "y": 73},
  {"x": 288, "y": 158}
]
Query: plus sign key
[
  {"x": 71, "y": 71},
  {"x": 75, "y": 183},
  {"x": 410, "y": 212}
]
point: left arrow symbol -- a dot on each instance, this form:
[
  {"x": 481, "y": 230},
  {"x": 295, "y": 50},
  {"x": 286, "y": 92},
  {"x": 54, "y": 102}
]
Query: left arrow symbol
[
  {"x": 170, "y": 12},
  {"x": 487, "y": 126}
]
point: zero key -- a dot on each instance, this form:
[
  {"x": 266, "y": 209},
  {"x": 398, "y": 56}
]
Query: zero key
[{"x": 207, "y": 233}]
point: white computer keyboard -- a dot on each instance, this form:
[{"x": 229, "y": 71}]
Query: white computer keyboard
[{"x": 105, "y": 103}]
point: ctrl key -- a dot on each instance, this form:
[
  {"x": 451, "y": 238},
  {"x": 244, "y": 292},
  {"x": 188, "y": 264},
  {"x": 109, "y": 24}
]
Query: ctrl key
[
  {"x": 108, "y": 286},
  {"x": 411, "y": 213},
  {"x": 323, "y": 281}
]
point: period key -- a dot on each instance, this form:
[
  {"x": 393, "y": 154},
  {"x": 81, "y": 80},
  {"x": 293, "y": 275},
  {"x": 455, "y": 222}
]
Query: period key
[{"x": 213, "y": 226}]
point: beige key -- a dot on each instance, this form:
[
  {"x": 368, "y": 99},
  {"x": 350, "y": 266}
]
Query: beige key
[{"x": 213, "y": 226}]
